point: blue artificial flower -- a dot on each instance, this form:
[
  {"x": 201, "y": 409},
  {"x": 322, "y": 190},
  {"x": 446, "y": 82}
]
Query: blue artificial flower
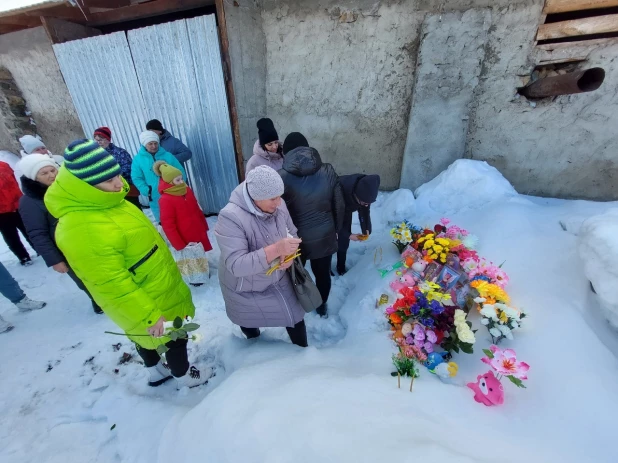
[
  {"x": 416, "y": 308},
  {"x": 428, "y": 322},
  {"x": 436, "y": 308},
  {"x": 482, "y": 277}
]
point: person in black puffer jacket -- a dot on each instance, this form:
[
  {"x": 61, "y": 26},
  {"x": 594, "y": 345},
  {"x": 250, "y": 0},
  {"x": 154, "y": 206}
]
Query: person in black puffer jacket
[
  {"x": 359, "y": 191},
  {"x": 39, "y": 173},
  {"x": 315, "y": 201}
]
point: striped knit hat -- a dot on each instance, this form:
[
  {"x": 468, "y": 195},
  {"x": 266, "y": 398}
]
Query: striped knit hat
[{"x": 89, "y": 162}]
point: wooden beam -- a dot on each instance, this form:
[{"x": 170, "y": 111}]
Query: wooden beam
[
  {"x": 145, "y": 10},
  {"x": 577, "y": 27},
  {"x": 231, "y": 99},
  {"x": 20, "y": 20},
  {"x": 110, "y": 4},
  {"x": 68, "y": 13},
  {"x": 564, "y": 6},
  {"x": 60, "y": 31},
  {"x": 8, "y": 28}
]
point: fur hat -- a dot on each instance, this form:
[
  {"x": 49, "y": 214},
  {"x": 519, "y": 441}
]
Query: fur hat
[
  {"x": 266, "y": 131},
  {"x": 167, "y": 172},
  {"x": 264, "y": 182},
  {"x": 89, "y": 162},
  {"x": 29, "y": 143},
  {"x": 30, "y": 165},
  {"x": 148, "y": 136}
]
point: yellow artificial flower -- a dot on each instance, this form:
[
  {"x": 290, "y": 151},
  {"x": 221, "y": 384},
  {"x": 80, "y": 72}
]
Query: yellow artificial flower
[
  {"x": 443, "y": 241},
  {"x": 503, "y": 317},
  {"x": 489, "y": 290},
  {"x": 438, "y": 248}
]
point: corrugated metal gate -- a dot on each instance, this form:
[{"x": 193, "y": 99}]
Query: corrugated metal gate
[{"x": 171, "y": 72}]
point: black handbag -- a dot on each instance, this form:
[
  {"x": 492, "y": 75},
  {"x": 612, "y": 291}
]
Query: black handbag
[{"x": 306, "y": 291}]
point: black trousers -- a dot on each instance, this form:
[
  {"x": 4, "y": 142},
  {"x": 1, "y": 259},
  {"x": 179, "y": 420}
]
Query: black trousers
[
  {"x": 343, "y": 241},
  {"x": 321, "y": 270},
  {"x": 10, "y": 223},
  {"x": 297, "y": 334},
  {"x": 80, "y": 285},
  {"x": 176, "y": 357}
]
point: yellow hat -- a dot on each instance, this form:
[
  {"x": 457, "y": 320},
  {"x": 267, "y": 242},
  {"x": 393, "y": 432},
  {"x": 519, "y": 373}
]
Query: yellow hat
[{"x": 165, "y": 171}]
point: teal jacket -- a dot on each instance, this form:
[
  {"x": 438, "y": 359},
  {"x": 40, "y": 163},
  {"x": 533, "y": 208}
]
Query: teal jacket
[{"x": 144, "y": 178}]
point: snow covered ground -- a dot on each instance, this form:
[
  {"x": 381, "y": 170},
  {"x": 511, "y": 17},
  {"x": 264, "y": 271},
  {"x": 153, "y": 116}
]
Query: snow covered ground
[{"x": 64, "y": 384}]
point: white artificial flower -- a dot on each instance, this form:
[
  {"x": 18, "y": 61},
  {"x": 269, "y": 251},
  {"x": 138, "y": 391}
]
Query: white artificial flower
[
  {"x": 506, "y": 331},
  {"x": 478, "y": 300},
  {"x": 470, "y": 241},
  {"x": 466, "y": 335},
  {"x": 514, "y": 325},
  {"x": 490, "y": 312},
  {"x": 495, "y": 332},
  {"x": 485, "y": 321}
]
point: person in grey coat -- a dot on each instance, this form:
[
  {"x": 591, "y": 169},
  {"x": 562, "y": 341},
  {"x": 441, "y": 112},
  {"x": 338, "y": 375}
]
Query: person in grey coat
[
  {"x": 39, "y": 172},
  {"x": 253, "y": 230},
  {"x": 170, "y": 143}
]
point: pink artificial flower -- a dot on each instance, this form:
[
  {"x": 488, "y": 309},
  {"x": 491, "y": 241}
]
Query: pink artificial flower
[
  {"x": 419, "y": 342},
  {"x": 390, "y": 310},
  {"x": 418, "y": 332},
  {"x": 444, "y": 221},
  {"x": 428, "y": 347},
  {"x": 505, "y": 362},
  {"x": 500, "y": 278},
  {"x": 431, "y": 336}
]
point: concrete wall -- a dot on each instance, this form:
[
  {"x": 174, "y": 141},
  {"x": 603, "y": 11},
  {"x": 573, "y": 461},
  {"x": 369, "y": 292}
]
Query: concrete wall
[
  {"x": 564, "y": 147},
  {"x": 342, "y": 73},
  {"x": 28, "y": 55},
  {"x": 248, "y": 56}
]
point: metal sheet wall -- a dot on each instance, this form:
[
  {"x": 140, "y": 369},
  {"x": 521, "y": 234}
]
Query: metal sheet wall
[
  {"x": 101, "y": 79},
  {"x": 178, "y": 65}
]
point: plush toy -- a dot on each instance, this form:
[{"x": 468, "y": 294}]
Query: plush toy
[
  {"x": 487, "y": 390},
  {"x": 444, "y": 371},
  {"x": 404, "y": 281},
  {"x": 419, "y": 266},
  {"x": 434, "y": 359}
]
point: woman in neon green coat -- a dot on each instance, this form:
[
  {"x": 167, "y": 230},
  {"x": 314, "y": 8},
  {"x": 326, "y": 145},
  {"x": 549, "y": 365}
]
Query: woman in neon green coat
[{"x": 121, "y": 258}]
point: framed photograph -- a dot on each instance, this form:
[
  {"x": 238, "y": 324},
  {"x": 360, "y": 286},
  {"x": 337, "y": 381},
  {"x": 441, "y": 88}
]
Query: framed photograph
[
  {"x": 453, "y": 261},
  {"x": 448, "y": 278},
  {"x": 433, "y": 271},
  {"x": 459, "y": 294}
]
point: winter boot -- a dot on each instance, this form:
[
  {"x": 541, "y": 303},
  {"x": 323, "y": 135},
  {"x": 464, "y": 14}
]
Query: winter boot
[
  {"x": 27, "y": 304},
  {"x": 159, "y": 374},
  {"x": 26, "y": 261},
  {"x": 96, "y": 308},
  {"x": 193, "y": 377},
  {"x": 5, "y": 326},
  {"x": 322, "y": 311}
]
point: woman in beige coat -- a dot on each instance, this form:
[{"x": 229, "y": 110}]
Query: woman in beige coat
[{"x": 253, "y": 230}]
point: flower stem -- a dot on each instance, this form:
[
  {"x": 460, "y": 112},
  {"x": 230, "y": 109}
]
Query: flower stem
[{"x": 125, "y": 334}]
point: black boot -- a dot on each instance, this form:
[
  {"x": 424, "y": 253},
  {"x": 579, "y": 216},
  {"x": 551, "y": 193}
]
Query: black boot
[
  {"x": 250, "y": 332},
  {"x": 322, "y": 311},
  {"x": 96, "y": 308},
  {"x": 25, "y": 261}
]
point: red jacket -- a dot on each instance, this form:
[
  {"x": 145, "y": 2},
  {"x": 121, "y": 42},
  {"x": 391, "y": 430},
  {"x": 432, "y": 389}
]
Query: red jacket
[
  {"x": 182, "y": 219},
  {"x": 9, "y": 189}
]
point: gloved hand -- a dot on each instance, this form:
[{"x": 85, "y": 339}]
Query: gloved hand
[{"x": 143, "y": 200}]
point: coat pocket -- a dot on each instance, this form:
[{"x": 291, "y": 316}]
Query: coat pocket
[{"x": 143, "y": 260}]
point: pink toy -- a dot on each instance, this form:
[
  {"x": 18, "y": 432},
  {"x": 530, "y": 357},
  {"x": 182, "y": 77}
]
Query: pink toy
[
  {"x": 487, "y": 390},
  {"x": 405, "y": 281},
  {"x": 419, "y": 266}
]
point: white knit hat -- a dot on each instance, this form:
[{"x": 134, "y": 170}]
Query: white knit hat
[
  {"x": 29, "y": 143},
  {"x": 147, "y": 136},
  {"x": 31, "y": 164},
  {"x": 264, "y": 182}
]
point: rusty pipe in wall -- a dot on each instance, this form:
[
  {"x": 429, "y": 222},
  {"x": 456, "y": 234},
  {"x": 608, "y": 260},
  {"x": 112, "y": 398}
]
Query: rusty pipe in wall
[{"x": 574, "y": 82}]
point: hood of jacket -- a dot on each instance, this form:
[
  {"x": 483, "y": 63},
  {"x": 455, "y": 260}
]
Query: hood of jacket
[
  {"x": 32, "y": 188},
  {"x": 259, "y": 151},
  {"x": 240, "y": 197},
  {"x": 302, "y": 161},
  {"x": 70, "y": 194}
]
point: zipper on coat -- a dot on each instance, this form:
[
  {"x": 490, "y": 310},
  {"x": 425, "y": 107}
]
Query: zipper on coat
[
  {"x": 240, "y": 284},
  {"x": 285, "y": 303},
  {"x": 143, "y": 260}
]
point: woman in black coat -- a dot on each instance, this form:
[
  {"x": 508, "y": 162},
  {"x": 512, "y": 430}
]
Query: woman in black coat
[
  {"x": 315, "y": 201},
  {"x": 39, "y": 173}
]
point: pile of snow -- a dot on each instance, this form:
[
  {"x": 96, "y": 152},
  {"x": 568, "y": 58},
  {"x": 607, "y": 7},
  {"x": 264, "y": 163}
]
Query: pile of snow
[
  {"x": 400, "y": 205},
  {"x": 598, "y": 249},
  {"x": 466, "y": 184}
]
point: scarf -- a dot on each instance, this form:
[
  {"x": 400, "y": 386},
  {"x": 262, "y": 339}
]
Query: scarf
[{"x": 177, "y": 190}]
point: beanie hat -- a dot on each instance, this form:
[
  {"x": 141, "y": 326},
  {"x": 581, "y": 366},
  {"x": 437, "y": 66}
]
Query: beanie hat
[
  {"x": 294, "y": 140},
  {"x": 154, "y": 124},
  {"x": 266, "y": 131},
  {"x": 148, "y": 136},
  {"x": 367, "y": 188},
  {"x": 89, "y": 162},
  {"x": 29, "y": 143},
  {"x": 264, "y": 182},
  {"x": 166, "y": 171},
  {"x": 104, "y": 132},
  {"x": 30, "y": 165}
]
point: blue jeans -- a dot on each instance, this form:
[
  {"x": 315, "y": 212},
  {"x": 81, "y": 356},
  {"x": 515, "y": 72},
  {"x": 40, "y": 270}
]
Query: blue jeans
[{"x": 9, "y": 288}]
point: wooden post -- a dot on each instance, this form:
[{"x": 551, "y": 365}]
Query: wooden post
[
  {"x": 411, "y": 383},
  {"x": 399, "y": 380},
  {"x": 563, "y": 6},
  {"x": 577, "y": 27},
  {"x": 231, "y": 99}
]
